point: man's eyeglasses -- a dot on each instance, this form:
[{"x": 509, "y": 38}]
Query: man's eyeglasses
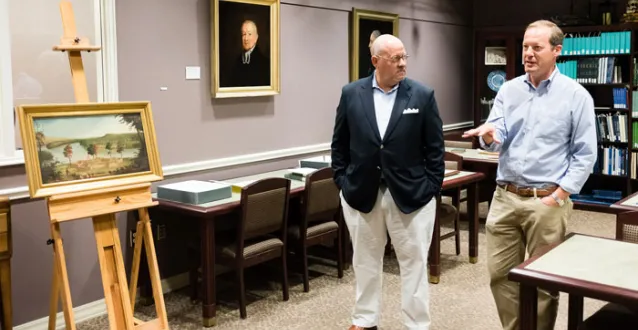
[{"x": 395, "y": 58}]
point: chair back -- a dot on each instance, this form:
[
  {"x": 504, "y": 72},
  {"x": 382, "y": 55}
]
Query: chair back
[
  {"x": 264, "y": 206},
  {"x": 627, "y": 227},
  {"x": 321, "y": 196},
  {"x": 453, "y": 161},
  {"x": 459, "y": 144}
]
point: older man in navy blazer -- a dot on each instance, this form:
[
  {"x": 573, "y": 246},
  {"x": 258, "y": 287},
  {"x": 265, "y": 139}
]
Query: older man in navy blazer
[{"x": 387, "y": 156}]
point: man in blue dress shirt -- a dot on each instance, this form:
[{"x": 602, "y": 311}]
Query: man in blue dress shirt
[{"x": 543, "y": 125}]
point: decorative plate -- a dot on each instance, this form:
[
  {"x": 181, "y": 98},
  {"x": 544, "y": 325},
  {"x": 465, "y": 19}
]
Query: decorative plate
[{"x": 496, "y": 79}]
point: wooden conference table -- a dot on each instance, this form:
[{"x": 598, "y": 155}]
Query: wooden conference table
[
  {"x": 209, "y": 212},
  {"x": 478, "y": 160},
  {"x": 582, "y": 266}
]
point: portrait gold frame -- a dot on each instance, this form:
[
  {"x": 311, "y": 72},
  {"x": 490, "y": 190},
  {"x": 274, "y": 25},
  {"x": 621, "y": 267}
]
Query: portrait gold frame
[
  {"x": 357, "y": 15},
  {"x": 247, "y": 91},
  {"x": 28, "y": 113}
]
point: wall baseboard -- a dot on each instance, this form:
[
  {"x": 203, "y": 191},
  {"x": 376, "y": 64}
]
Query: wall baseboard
[
  {"x": 98, "y": 308},
  {"x": 218, "y": 163},
  {"x": 81, "y": 314}
]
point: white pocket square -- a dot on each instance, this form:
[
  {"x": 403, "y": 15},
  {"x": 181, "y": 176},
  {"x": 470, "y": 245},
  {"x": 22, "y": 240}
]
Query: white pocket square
[{"x": 410, "y": 110}]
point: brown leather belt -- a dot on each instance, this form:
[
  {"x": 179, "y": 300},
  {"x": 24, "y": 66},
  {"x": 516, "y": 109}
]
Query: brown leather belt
[{"x": 528, "y": 191}]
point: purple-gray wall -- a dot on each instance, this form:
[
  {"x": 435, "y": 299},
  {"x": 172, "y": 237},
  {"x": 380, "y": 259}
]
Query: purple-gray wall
[{"x": 157, "y": 39}]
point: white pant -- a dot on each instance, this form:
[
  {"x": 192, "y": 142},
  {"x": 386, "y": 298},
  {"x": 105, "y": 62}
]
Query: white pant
[{"x": 411, "y": 235}]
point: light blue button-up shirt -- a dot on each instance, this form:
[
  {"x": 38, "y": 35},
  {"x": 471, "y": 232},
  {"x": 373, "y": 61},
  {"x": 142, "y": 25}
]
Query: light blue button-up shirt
[
  {"x": 383, "y": 104},
  {"x": 547, "y": 134}
]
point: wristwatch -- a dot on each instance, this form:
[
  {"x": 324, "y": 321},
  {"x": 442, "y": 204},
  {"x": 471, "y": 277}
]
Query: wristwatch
[{"x": 557, "y": 199}]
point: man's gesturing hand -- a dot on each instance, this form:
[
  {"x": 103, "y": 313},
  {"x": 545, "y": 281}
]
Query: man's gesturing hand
[{"x": 486, "y": 131}]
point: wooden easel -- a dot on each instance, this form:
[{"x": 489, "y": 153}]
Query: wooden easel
[{"x": 101, "y": 205}]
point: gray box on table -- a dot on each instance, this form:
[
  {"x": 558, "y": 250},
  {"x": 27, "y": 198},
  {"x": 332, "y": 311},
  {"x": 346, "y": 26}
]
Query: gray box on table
[
  {"x": 194, "y": 191},
  {"x": 316, "y": 162}
]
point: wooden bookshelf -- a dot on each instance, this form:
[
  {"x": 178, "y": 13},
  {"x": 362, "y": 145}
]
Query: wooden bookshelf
[{"x": 510, "y": 39}]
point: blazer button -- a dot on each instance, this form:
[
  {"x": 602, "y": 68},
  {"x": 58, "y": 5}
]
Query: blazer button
[
  {"x": 378, "y": 167},
  {"x": 382, "y": 146}
]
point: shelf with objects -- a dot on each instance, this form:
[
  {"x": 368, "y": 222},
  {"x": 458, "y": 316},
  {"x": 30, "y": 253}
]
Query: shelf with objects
[{"x": 601, "y": 58}]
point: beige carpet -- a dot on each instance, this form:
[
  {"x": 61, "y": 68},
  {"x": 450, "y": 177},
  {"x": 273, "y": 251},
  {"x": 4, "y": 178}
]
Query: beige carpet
[{"x": 462, "y": 300}]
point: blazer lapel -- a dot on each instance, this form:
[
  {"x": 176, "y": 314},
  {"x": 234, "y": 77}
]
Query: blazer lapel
[
  {"x": 367, "y": 99},
  {"x": 403, "y": 96}
]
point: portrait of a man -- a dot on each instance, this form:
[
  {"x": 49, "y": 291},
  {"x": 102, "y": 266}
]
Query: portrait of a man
[
  {"x": 245, "y": 44},
  {"x": 367, "y": 26}
]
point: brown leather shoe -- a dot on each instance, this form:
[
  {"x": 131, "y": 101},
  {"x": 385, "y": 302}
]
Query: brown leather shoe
[{"x": 356, "y": 327}]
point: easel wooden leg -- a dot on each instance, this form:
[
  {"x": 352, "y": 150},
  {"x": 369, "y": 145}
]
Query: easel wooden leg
[
  {"x": 5, "y": 287},
  {"x": 60, "y": 283},
  {"x": 116, "y": 292},
  {"x": 55, "y": 292},
  {"x": 144, "y": 235},
  {"x": 135, "y": 266},
  {"x": 153, "y": 268}
]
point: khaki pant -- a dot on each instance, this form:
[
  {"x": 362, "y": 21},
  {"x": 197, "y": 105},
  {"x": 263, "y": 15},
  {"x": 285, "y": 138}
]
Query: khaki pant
[{"x": 514, "y": 224}]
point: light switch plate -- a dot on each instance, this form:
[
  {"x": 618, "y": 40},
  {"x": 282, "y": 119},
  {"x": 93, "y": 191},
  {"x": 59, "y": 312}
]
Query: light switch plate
[{"x": 192, "y": 73}]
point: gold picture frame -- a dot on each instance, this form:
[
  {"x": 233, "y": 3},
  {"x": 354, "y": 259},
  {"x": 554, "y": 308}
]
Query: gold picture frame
[
  {"x": 85, "y": 146},
  {"x": 240, "y": 48},
  {"x": 363, "y": 24}
]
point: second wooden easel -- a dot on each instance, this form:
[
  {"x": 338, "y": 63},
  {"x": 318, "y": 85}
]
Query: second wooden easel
[{"x": 101, "y": 205}]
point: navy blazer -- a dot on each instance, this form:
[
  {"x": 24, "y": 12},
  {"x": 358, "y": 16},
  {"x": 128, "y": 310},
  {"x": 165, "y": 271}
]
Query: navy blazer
[{"x": 410, "y": 155}]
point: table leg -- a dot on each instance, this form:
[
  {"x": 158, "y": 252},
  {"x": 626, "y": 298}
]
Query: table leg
[
  {"x": 575, "y": 313},
  {"x": 5, "y": 291},
  {"x": 528, "y": 307},
  {"x": 209, "y": 318},
  {"x": 434, "y": 257},
  {"x": 473, "y": 220}
]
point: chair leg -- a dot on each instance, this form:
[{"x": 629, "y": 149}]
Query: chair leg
[
  {"x": 304, "y": 257},
  {"x": 457, "y": 231},
  {"x": 284, "y": 278},
  {"x": 339, "y": 245},
  {"x": 241, "y": 292},
  {"x": 457, "y": 235}
]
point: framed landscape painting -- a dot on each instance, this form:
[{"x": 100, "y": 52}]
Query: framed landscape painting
[
  {"x": 245, "y": 48},
  {"x": 366, "y": 25},
  {"x": 77, "y": 147}
]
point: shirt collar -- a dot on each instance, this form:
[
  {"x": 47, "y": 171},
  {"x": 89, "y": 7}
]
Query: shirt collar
[
  {"x": 376, "y": 85},
  {"x": 245, "y": 58},
  {"x": 544, "y": 82}
]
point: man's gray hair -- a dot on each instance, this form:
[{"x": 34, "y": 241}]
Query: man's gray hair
[{"x": 376, "y": 33}]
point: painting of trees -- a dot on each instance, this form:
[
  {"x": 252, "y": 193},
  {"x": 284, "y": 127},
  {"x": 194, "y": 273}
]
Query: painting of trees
[{"x": 109, "y": 148}]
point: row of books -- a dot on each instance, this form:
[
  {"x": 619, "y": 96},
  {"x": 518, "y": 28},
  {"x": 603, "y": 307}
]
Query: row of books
[
  {"x": 592, "y": 70},
  {"x": 634, "y": 104},
  {"x": 634, "y": 138},
  {"x": 611, "y": 161},
  {"x": 599, "y": 196},
  {"x": 620, "y": 96},
  {"x": 612, "y": 127},
  {"x": 634, "y": 164},
  {"x": 618, "y": 42}
]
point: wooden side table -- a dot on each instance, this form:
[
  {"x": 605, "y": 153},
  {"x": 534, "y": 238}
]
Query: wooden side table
[{"x": 6, "y": 317}]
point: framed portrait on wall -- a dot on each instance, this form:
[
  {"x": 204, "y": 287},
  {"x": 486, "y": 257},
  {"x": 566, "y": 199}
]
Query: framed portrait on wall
[
  {"x": 366, "y": 25},
  {"x": 245, "y": 48}
]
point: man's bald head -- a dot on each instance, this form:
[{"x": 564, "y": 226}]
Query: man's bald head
[
  {"x": 389, "y": 59},
  {"x": 383, "y": 42}
]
